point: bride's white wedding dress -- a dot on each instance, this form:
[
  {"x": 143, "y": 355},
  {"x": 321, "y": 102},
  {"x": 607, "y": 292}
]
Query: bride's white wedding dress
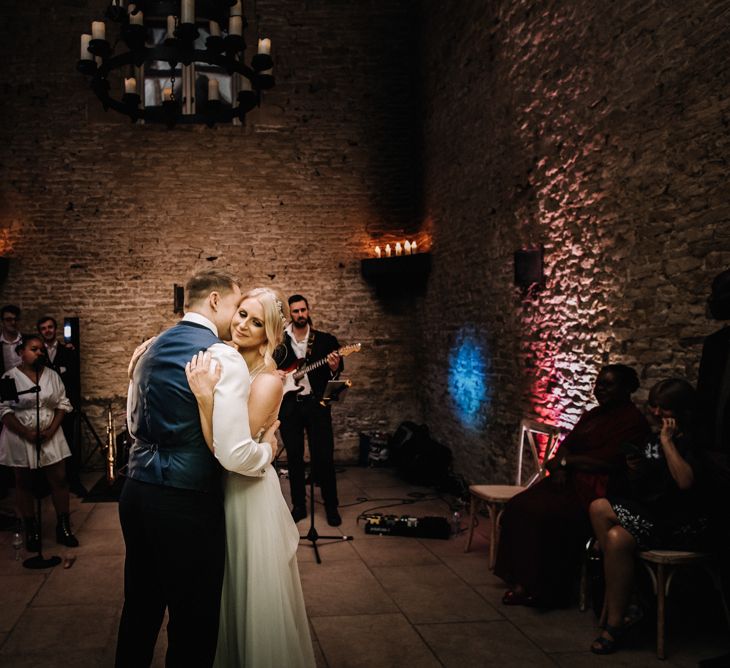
[{"x": 263, "y": 622}]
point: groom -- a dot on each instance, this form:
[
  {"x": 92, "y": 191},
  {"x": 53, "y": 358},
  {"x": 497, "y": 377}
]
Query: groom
[{"x": 171, "y": 508}]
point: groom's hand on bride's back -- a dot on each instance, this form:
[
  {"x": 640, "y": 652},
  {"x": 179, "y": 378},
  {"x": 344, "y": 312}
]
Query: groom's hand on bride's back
[{"x": 270, "y": 438}]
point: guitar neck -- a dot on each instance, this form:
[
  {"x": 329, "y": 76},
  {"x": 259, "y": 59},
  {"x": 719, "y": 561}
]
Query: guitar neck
[{"x": 310, "y": 367}]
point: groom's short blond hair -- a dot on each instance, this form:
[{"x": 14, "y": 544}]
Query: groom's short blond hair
[{"x": 201, "y": 284}]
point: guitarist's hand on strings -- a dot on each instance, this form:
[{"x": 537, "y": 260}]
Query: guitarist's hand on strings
[{"x": 333, "y": 359}]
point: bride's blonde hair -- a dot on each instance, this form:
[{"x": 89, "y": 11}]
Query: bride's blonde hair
[{"x": 276, "y": 314}]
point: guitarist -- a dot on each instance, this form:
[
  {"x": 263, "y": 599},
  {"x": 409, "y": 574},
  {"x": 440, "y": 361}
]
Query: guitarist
[{"x": 301, "y": 411}]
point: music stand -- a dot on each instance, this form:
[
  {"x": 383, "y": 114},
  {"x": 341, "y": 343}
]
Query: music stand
[
  {"x": 335, "y": 391},
  {"x": 9, "y": 392}
]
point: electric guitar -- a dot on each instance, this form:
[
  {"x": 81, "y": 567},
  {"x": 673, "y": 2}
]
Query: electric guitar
[{"x": 296, "y": 371}]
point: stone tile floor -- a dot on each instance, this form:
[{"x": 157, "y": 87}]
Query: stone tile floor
[{"x": 375, "y": 602}]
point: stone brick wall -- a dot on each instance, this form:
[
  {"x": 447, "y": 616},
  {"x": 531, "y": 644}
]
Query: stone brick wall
[
  {"x": 598, "y": 130},
  {"x": 101, "y": 218},
  {"x": 601, "y": 131}
]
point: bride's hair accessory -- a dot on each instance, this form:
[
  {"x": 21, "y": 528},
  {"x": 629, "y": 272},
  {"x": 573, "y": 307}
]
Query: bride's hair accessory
[{"x": 280, "y": 306}]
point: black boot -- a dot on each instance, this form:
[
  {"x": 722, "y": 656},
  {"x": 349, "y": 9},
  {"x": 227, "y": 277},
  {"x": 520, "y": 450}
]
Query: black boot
[
  {"x": 64, "y": 535},
  {"x": 32, "y": 535}
]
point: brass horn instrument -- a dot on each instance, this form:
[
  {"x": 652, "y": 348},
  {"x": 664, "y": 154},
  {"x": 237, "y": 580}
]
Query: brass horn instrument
[{"x": 111, "y": 447}]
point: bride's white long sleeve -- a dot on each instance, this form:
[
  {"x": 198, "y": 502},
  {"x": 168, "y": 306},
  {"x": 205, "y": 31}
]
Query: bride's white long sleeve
[{"x": 233, "y": 445}]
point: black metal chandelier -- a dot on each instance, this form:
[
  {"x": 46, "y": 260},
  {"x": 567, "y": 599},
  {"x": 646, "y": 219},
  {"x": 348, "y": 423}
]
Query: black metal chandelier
[{"x": 184, "y": 62}]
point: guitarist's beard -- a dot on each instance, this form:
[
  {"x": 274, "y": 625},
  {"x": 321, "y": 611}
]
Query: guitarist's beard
[{"x": 300, "y": 323}]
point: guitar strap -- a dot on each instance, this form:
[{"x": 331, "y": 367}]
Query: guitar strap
[{"x": 310, "y": 343}]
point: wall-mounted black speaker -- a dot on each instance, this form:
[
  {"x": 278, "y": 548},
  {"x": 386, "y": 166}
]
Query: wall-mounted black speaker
[
  {"x": 178, "y": 298},
  {"x": 529, "y": 268}
]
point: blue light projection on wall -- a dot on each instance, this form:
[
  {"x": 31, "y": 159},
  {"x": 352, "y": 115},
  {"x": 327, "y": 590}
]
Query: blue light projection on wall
[{"x": 468, "y": 379}]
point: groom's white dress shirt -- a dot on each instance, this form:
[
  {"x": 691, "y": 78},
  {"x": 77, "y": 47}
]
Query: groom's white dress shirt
[{"x": 232, "y": 443}]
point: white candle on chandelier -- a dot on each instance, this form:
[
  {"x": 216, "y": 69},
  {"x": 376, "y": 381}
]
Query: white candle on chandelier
[
  {"x": 387, "y": 250},
  {"x": 413, "y": 247},
  {"x": 398, "y": 248},
  {"x": 377, "y": 251},
  {"x": 187, "y": 14},
  {"x": 213, "y": 89},
  {"x": 214, "y": 29},
  {"x": 98, "y": 30},
  {"x": 265, "y": 46},
  {"x": 85, "y": 53},
  {"x": 136, "y": 19},
  {"x": 237, "y": 9},
  {"x": 170, "y": 27},
  {"x": 407, "y": 247},
  {"x": 167, "y": 94},
  {"x": 235, "y": 26},
  {"x": 130, "y": 85}
]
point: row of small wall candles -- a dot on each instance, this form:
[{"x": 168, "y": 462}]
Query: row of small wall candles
[{"x": 408, "y": 248}]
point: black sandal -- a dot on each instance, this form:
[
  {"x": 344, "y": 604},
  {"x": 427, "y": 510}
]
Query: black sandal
[
  {"x": 603, "y": 645},
  {"x": 512, "y": 597}
]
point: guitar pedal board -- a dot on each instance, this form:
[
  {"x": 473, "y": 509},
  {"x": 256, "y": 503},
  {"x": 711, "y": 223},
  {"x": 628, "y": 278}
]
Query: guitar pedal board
[{"x": 413, "y": 527}]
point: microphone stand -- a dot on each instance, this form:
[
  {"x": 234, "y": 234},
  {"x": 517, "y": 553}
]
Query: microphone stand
[
  {"x": 312, "y": 535},
  {"x": 38, "y": 562}
]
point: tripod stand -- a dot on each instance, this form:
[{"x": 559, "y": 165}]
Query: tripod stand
[
  {"x": 80, "y": 416},
  {"x": 312, "y": 535},
  {"x": 9, "y": 392}
]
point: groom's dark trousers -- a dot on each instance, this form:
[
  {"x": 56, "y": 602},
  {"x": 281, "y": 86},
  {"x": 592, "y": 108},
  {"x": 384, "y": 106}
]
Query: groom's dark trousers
[{"x": 171, "y": 512}]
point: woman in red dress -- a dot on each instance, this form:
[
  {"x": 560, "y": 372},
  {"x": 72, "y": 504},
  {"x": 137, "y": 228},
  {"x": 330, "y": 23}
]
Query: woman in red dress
[{"x": 545, "y": 527}]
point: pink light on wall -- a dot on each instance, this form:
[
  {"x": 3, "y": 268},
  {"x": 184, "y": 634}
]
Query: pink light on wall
[{"x": 561, "y": 351}]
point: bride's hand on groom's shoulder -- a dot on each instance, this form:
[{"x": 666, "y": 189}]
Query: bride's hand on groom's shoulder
[
  {"x": 138, "y": 352},
  {"x": 201, "y": 377}
]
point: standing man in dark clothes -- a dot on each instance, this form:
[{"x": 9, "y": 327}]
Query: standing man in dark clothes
[
  {"x": 713, "y": 383},
  {"x": 301, "y": 410},
  {"x": 10, "y": 337},
  {"x": 713, "y": 394}
]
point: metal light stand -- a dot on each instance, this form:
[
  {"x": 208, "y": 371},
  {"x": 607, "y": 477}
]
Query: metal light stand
[
  {"x": 312, "y": 535},
  {"x": 80, "y": 415}
]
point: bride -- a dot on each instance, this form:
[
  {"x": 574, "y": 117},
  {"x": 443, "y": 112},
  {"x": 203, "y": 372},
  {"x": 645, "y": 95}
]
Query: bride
[{"x": 263, "y": 622}]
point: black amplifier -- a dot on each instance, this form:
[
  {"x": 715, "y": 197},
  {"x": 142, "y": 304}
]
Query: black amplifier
[{"x": 415, "y": 527}]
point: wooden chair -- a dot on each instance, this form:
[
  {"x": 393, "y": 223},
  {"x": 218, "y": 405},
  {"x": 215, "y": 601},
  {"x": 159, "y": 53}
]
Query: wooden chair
[
  {"x": 496, "y": 496},
  {"x": 661, "y": 565}
]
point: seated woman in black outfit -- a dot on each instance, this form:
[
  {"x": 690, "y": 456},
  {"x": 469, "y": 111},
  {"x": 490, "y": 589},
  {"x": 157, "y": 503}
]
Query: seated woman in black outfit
[{"x": 656, "y": 507}]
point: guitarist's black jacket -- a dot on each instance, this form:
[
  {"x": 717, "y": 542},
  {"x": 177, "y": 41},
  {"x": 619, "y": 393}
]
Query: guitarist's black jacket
[{"x": 322, "y": 346}]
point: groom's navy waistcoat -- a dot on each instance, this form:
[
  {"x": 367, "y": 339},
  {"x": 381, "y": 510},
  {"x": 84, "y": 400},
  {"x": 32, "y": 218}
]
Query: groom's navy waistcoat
[{"x": 168, "y": 445}]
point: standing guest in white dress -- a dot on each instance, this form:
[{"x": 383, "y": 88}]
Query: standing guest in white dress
[
  {"x": 263, "y": 621},
  {"x": 18, "y": 439}
]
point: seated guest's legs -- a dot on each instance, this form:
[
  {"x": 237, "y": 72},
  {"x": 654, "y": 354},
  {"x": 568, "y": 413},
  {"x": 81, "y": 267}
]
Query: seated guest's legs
[
  {"x": 619, "y": 553},
  {"x": 542, "y": 531}
]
